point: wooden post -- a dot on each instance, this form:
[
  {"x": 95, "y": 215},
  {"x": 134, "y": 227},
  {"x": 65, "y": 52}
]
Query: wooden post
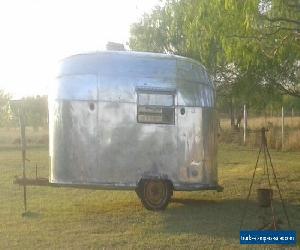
[
  {"x": 23, "y": 148},
  {"x": 245, "y": 123},
  {"x": 282, "y": 128}
]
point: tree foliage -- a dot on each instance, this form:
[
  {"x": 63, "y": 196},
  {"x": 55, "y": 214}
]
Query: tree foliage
[
  {"x": 250, "y": 47},
  {"x": 35, "y": 110},
  {"x": 4, "y": 108}
]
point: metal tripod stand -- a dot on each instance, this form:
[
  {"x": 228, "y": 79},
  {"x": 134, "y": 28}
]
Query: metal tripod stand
[{"x": 268, "y": 163}]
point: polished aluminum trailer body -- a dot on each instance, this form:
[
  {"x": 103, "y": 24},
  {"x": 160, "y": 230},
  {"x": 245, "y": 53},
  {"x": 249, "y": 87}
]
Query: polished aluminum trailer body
[{"x": 118, "y": 117}]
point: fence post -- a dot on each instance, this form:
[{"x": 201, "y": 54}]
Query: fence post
[
  {"x": 282, "y": 128},
  {"x": 245, "y": 123},
  {"x": 23, "y": 148}
]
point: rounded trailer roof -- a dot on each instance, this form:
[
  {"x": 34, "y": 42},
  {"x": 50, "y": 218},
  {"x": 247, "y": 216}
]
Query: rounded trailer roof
[
  {"x": 132, "y": 54},
  {"x": 135, "y": 64},
  {"x": 120, "y": 73}
]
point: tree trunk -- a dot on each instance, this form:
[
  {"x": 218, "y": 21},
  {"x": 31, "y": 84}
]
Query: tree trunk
[{"x": 231, "y": 111}]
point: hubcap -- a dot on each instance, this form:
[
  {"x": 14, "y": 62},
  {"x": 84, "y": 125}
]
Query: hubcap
[{"x": 155, "y": 192}]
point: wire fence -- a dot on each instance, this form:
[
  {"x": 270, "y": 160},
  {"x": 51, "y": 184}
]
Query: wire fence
[{"x": 283, "y": 128}]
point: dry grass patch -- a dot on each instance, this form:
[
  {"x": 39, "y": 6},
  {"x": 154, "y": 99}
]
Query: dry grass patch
[{"x": 62, "y": 218}]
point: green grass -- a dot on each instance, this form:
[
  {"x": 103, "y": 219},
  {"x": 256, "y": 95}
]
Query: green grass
[
  {"x": 10, "y": 137},
  {"x": 62, "y": 218}
]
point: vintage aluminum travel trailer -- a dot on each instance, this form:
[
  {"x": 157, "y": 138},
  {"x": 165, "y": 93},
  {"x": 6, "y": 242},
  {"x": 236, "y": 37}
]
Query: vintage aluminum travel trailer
[{"x": 132, "y": 120}]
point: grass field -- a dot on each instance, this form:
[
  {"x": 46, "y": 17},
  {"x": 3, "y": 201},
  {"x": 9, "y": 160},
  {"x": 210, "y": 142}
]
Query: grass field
[{"x": 62, "y": 218}]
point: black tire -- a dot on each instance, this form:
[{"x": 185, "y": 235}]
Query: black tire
[{"x": 155, "y": 194}]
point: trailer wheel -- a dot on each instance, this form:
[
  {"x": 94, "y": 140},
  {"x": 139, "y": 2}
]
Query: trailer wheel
[{"x": 155, "y": 194}]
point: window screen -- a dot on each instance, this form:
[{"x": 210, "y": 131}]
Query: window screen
[{"x": 155, "y": 107}]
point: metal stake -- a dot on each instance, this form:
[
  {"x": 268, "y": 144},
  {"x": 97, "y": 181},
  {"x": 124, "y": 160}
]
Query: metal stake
[{"x": 23, "y": 148}]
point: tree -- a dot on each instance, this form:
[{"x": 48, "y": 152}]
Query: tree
[
  {"x": 271, "y": 42},
  {"x": 4, "y": 108},
  {"x": 36, "y": 111},
  {"x": 249, "y": 46}
]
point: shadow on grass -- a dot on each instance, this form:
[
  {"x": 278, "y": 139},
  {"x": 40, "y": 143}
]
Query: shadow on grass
[
  {"x": 220, "y": 218},
  {"x": 31, "y": 215}
]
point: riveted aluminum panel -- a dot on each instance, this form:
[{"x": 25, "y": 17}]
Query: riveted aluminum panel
[
  {"x": 74, "y": 141},
  {"x": 130, "y": 150},
  {"x": 75, "y": 87},
  {"x": 95, "y": 138}
]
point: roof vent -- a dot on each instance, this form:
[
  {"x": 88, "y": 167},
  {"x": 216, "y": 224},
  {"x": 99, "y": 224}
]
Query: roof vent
[{"x": 115, "y": 46}]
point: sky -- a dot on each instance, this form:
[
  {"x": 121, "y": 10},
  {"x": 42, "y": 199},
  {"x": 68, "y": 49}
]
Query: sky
[{"x": 36, "y": 34}]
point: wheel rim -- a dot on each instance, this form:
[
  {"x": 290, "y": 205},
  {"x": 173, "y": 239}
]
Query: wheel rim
[{"x": 155, "y": 192}]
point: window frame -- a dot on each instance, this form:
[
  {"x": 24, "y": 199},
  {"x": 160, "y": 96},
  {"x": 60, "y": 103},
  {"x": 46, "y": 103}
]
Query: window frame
[{"x": 157, "y": 92}]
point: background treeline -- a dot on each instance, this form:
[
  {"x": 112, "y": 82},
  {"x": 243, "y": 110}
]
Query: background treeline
[
  {"x": 251, "y": 48},
  {"x": 35, "y": 111}
]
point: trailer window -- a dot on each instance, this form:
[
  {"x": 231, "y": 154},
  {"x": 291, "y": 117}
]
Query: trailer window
[{"x": 155, "y": 108}]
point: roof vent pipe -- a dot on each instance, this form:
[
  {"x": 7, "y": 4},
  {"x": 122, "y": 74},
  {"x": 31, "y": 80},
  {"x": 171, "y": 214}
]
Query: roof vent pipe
[{"x": 115, "y": 46}]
